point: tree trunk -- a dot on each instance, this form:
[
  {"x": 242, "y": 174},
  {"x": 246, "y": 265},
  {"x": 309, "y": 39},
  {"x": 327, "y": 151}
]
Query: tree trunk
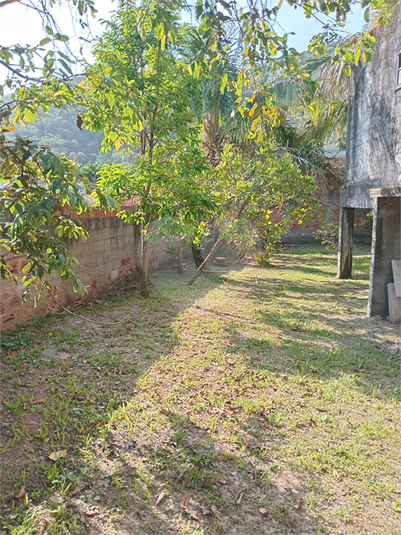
[
  {"x": 209, "y": 257},
  {"x": 216, "y": 246},
  {"x": 179, "y": 255},
  {"x": 197, "y": 255},
  {"x": 144, "y": 268}
]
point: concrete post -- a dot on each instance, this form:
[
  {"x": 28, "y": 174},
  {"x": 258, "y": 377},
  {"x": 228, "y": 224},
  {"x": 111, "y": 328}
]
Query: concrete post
[
  {"x": 345, "y": 242},
  {"x": 386, "y": 246}
]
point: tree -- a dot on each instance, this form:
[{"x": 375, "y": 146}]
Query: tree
[
  {"x": 140, "y": 94},
  {"x": 252, "y": 184},
  {"x": 36, "y": 183},
  {"x": 39, "y": 76}
]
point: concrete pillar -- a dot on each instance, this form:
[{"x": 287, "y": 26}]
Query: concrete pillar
[
  {"x": 345, "y": 243},
  {"x": 386, "y": 246}
]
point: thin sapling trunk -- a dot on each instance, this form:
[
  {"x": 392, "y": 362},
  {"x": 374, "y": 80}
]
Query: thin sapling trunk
[
  {"x": 179, "y": 257},
  {"x": 209, "y": 257},
  {"x": 144, "y": 268}
]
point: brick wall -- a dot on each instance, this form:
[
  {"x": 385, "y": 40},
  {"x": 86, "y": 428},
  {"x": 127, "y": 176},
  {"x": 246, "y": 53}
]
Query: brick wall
[{"x": 106, "y": 259}]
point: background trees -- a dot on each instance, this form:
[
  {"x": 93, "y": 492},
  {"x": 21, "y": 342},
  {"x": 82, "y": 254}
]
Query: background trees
[
  {"x": 140, "y": 103},
  {"x": 35, "y": 182},
  {"x": 58, "y": 130}
]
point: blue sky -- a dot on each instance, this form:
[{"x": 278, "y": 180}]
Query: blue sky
[
  {"x": 293, "y": 20},
  {"x": 19, "y": 24}
]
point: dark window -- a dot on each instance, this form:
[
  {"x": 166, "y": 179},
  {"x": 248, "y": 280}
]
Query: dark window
[{"x": 398, "y": 69}]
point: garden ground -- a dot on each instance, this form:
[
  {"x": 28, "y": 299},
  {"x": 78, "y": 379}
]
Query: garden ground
[{"x": 258, "y": 401}]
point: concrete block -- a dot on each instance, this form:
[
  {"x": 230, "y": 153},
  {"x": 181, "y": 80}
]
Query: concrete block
[
  {"x": 394, "y": 304},
  {"x": 114, "y": 274},
  {"x": 396, "y": 265},
  {"x": 220, "y": 261}
]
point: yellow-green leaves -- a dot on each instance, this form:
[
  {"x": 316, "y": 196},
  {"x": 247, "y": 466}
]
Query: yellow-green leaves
[{"x": 253, "y": 109}]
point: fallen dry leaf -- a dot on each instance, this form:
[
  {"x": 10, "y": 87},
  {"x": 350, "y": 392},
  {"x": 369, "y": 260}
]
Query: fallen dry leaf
[
  {"x": 21, "y": 494},
  {"x": 92, "y": 512},
  {"x": 182, "y": 472},
  {"x": 161, "y": 497},
  {"x": 221, "y": 481},
  {"x": 37, "y": 402},
  {"x": 230, "y": 362},
  {"x": 187, "y": 479},
  {"x": 185, "y": 500},
  {"x": 263, "y": 511},
  {"x": 77, "y": 490},
  {"x": 214, "y": 510},
  {"x": 57, "y": 455},
  {"x": 193, "y": 514},
  {"x": 206, "y": 511}
]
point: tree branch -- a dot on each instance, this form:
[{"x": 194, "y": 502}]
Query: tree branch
[
  {"x": 5, "y": 3},
  {"x": 15, "y": 71}
]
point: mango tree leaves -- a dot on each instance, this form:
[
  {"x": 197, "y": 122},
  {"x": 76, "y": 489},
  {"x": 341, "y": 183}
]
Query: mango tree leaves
[{"x": 35, "y": 186}]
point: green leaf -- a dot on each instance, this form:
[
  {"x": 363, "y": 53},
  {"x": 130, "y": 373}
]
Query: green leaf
[
  {"x": 224, "y": 82},
  {"x": 62, "y": 38}
]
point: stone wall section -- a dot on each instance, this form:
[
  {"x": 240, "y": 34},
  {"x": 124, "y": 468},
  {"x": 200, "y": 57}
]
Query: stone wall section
[{"x": 107, "y": 259}]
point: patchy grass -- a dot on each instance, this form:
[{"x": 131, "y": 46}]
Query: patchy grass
[{"x": 261, "y": 400}]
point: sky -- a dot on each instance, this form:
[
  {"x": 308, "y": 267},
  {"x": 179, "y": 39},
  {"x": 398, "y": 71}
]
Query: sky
[{"x": 19, "y": 24}]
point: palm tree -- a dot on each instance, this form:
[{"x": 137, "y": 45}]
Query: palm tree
[{"x": 217, "y": 111}]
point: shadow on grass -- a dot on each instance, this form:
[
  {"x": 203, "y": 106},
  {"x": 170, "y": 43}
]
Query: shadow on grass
[
  {"x": 322, "y": 341},
  {"x": 194, "y": 483},
  {"x": 164, "y": 433},
  {"x": 64, "y": 375}
]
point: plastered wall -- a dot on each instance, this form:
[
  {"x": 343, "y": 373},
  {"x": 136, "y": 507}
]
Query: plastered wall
[{"x": 374, "y": 120}]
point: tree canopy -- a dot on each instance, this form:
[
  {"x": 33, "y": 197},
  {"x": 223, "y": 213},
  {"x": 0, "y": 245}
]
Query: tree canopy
[
  {"x": 140, "y": 94},
  {"x": 151, "y": 70}
]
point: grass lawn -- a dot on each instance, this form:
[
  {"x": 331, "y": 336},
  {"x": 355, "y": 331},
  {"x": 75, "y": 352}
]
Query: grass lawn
[{"x": 258, "y": 401}]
